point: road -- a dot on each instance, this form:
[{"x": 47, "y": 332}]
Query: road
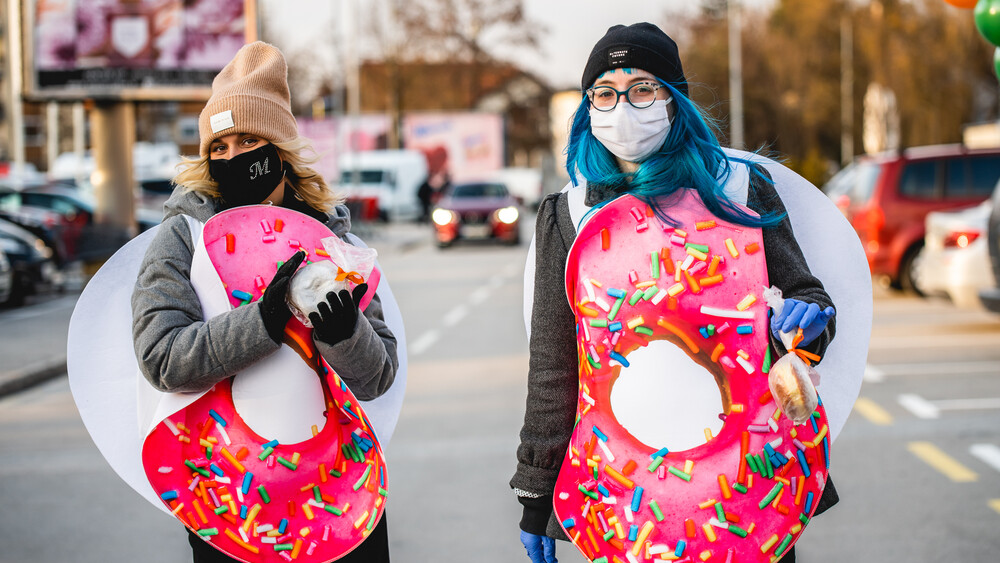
[{"x": 917, "y": 466}]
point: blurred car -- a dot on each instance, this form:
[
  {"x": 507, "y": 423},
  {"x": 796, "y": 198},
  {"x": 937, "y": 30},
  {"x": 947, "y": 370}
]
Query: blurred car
[
  {"x": 19, "y": 175},
  {"x": 887, "y": 197},
  {"x": 52, "y": 212},
  {"x": 31, "y": 262},
  {"x": 62, "y": 215},
  {"x": 6, "y": 278},
  {"x": 391, "y": 177},
  {"x": 151, "y": 196},
  {"x": 525, "y": 184},
  {"x": 990, "y": 296},
  {"x": 955, "y": 260},
  {"x": 481, "y": 210}
]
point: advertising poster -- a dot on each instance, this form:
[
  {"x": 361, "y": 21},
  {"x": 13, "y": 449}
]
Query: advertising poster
[
  {"x": 131, "y": 49},
  {"x": 471, "y": 144},
  {"x": 334, "y": 136}
]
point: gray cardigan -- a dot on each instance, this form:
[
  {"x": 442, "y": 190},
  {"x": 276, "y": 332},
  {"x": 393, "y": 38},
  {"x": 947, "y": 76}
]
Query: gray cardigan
[
  {"x": 552, "y": 365},
  {"x": 178, "y": 351}
]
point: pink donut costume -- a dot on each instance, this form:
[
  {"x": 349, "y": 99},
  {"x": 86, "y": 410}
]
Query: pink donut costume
[
  {"x": 746, "y": 494},
  {"x": 254, "y": 498}
]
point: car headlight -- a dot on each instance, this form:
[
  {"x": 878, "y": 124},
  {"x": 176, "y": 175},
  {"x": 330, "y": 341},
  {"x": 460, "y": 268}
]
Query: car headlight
[
  {"x": 43, "y": 250},
  {"x": 507, "y": 215},
  {"x": 442, "y": 217}
]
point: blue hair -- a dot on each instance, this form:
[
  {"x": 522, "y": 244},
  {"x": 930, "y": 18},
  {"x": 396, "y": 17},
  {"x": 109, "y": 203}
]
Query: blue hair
[{"x": 690, "y": 157}]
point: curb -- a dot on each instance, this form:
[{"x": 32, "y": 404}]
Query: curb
[{"x": 23, "y": 378}]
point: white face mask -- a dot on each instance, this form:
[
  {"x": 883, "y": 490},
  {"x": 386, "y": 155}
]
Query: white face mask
[{"x": 630, "y": 133}]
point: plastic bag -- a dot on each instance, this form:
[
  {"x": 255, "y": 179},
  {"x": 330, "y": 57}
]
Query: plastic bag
[
  {"x": 793, "y": 386},
  {"x": 311, "y": 283}
]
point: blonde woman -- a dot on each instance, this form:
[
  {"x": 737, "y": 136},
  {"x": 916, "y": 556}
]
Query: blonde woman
[{"x": 251, "y": 153}]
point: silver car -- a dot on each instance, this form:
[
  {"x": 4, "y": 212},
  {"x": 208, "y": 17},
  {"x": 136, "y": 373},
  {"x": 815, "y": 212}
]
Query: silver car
[
  {"x": 6, "y": 278},
  {"x": 955, "y": 260}
]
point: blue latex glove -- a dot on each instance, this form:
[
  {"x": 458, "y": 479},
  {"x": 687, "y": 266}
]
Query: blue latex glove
[
  {"x": 796, "y": 314},
  {"x": 541, "y": 549}
]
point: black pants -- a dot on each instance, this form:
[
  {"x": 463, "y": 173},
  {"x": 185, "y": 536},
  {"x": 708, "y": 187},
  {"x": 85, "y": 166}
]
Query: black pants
[{"x": 375, "y": 549}]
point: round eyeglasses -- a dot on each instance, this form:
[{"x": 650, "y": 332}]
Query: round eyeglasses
[{"x": 640, "y": 95}]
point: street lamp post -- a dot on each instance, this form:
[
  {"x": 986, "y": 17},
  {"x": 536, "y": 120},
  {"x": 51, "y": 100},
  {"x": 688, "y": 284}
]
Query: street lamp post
[
  {"x": 846, "y": 89},
  {"x": 735, "y": 76}
]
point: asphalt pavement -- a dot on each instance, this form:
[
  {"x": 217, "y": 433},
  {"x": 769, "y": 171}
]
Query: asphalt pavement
[{"x": 28, "y": 359}]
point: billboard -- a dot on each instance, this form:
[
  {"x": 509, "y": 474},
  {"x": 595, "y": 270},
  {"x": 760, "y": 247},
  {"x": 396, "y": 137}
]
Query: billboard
[
  {"x": 131, "y": 50},
  {"x": 333, "y": 136},
  {"x": 464, "y": 146},
  {"x": 470, "y": 144}
]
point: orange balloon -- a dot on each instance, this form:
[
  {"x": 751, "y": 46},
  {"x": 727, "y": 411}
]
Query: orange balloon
[{"x": 964, "y": 4}]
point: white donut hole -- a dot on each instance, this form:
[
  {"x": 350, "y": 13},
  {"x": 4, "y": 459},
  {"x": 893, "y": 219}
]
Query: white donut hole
[
  {"x": 666, "y": 399},
  {"x": 280, "y": 405}
]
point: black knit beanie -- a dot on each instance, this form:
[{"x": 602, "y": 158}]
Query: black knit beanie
[{"x": 641, "y": 45}]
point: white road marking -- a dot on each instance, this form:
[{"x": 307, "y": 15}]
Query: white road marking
[
  {"x": 988, "y": 454},
  {"x": 425, "y": 341},
  {"x": 938, "y": 368},
  {"x": 982, "y": 403},
  {"x": 923, "y": 408},
  {"x": 480, "y": 295},
  {"x": 514, "y": 268},
  {"x": 920, "y": 407},
  {"x": 873, "y": 374},
  {"x": 924, "y": 341},
  {"x": 455, "y": 315}
]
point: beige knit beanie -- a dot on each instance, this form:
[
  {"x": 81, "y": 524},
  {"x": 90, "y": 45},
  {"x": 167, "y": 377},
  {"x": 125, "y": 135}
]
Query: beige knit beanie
[{"x": 250, "y": 95}]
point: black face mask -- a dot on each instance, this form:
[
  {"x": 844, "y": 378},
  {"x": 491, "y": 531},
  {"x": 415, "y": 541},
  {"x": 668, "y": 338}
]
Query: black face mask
[{"x": 248, "y": 178}]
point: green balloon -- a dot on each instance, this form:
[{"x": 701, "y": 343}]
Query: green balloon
[
  {"x": 996, "y": 62},
  {"x": 987, "y": 15}
]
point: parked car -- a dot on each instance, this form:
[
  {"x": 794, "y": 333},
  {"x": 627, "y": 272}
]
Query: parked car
[
  {"x": 990, "y": 296},
  {"x": 483, "y": 210},
  {"x": 31, "y": 261},
  {"x": 43, "y": 223},
  {"x": 392, "y": 177},
  {"x": 19, "y": 175},
  {"x": 6, "y": 278},
  {"x": 955, "y": 260},
  {"x": 887, "y": 197},
  {"x": 62, "y": 215}
]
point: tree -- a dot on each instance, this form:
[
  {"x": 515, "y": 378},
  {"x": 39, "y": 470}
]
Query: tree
[{"x": 929, "y": 55}]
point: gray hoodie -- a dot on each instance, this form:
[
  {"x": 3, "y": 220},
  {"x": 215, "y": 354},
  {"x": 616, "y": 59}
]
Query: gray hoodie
[{"x": 178, "y": 351}]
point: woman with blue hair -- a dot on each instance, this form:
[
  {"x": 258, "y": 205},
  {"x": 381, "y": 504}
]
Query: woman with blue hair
[{"x": 637, "y": 132}]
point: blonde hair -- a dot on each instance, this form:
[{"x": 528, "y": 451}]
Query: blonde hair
[{"x": 193, "y": 175}]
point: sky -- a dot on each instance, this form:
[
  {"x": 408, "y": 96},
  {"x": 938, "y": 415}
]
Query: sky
[{"x": 571, "y": 28}]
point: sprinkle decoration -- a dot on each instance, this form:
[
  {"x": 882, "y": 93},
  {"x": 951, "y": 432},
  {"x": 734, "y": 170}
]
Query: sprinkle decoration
[
  {"x": 252, "y": 497},
  {"x": 747, "y": 493}
]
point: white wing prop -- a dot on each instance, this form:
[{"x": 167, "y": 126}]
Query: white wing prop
[{"x": 116, "y": 403}]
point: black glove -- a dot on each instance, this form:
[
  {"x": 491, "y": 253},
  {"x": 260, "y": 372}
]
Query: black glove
[
  {"x": 273, "y": 308},
  {"x": 338, "y": 315}
]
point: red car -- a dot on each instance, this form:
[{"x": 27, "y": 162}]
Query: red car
[
  {"x": 886, "y": 198},
  {"x": 483, "y": 210}
]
